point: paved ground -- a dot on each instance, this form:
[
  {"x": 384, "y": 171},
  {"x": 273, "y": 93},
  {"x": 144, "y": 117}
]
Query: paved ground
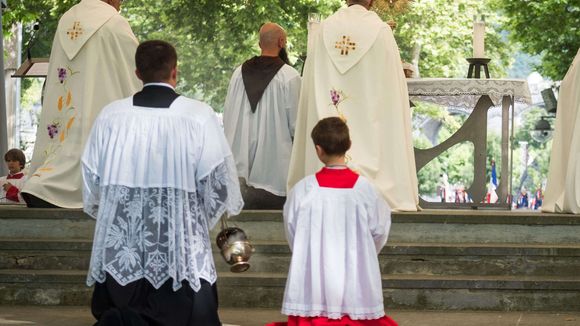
[{"x": 80, "y": 316}]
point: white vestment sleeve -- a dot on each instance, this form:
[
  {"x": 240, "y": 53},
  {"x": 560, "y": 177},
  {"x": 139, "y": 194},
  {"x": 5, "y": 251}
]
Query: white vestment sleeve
[
  {"x": 290, "y": 214},
  {"x": 3, "y": 192},
  {"x": 380, "y": 221},
  {"x": 231, "y": 113},
  {"x": 89, "y": 169},
  {"x": 293, "y": 100},
  {"x": 217, "y": 180}
]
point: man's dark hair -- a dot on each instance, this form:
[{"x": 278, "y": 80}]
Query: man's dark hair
[
  {"x": 15, "y": 155},
  {"x": 155, "y": 60},
  {"x": 364, "y": 3},
  {"x": 332, "y": 135}
]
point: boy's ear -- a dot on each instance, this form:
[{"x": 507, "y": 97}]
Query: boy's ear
[{"x": 319, "y": 150}]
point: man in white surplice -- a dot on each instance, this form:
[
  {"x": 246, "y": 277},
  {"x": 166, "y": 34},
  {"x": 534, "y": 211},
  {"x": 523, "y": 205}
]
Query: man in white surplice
[
  {"x": 91, "y": 64},
  {"x": 158, "y": 174},
  {"x": 563, "y": 187},
  {"x": 260, "y": 114},
  {"x": 354, "y": 70}
]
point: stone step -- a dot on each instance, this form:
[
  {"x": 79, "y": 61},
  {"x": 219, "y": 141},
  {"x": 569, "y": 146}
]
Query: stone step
[
  {"x": 443, "y": 259},
  {"x": 41, "y": 254},
  {"x": 421, "y": 227},
  {"x": 426, "y": 292},
  {"x": 40, "y": 260},
  {"x": 37, "y": 223},
  {"x": 265, "y": 290},
  {"x": 444, "y": 227},
  {"x": 395, "y": 258},
  {"x": 477, "y": 260},
  {"x": 40, "y": 244}
]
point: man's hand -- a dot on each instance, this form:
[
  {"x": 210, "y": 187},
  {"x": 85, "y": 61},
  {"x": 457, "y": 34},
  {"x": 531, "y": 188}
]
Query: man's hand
[{"x": 7, "y": 186}]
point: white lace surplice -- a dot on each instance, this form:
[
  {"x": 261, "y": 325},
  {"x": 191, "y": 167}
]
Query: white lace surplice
[
  {"x": 157, "y": 180},
  {"x": 335, "y": 236}
]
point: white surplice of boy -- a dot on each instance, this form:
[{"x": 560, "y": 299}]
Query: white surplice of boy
[{"x": 335, "y": 236}]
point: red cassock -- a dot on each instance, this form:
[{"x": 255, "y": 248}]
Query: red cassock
[{"x": 344, "y": 321}]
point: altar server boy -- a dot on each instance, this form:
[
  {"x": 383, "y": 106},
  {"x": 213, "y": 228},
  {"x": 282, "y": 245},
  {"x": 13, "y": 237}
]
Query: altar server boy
[{"x": 336, "y": 224}]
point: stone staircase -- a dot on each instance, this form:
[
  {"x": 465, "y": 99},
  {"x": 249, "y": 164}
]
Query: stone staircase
[{"x": 441, "y": 260}]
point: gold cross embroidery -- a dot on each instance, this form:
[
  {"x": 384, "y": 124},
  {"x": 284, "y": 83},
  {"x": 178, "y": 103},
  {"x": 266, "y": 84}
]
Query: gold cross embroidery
[
  {"x": 345, "y": 45},
  {"x": 75, "y": 31}
]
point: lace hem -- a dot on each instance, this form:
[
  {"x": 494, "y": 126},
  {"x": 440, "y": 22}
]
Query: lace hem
[
  {"x": 194, "y": 282},
  {"x": 159, "y": 233}
]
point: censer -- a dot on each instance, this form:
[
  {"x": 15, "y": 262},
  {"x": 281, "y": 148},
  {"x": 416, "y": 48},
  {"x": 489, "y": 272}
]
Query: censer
[{"x": 234, "y": 247}]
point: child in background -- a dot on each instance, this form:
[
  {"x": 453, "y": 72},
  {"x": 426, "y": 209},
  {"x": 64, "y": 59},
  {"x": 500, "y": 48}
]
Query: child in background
[
  {"x": 13, "y": 182},
  {"x": 336, "y": 224}
]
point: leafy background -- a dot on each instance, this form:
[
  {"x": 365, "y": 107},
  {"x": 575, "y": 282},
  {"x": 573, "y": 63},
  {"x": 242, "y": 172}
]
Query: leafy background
[{"x": 213, "y": 37}]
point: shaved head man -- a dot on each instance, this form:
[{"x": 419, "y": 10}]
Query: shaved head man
[
  {"x": 272, "y": 38},
  {"x": 273, "y": 41},
  {"x": 259, "y": 117}
]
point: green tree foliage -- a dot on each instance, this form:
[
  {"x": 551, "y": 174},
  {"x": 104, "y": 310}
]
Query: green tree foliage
[
  {"x": 550, "y": 28},
  {"x": 46, "y": 12},
  {"x": 437, "y": 35},
  {"x": 534, "y": 172},
  {"x": 212, "y": 37}
]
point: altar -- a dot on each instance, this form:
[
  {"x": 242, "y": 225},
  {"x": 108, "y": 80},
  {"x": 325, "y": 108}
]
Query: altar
[{"x": 477, "y": 96}]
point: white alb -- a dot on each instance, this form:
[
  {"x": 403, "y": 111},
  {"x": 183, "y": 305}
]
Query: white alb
[{"x": 262, "y": 141}]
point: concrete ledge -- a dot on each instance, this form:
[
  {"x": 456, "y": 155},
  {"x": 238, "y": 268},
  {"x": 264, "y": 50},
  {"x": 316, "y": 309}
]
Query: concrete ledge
[
  {"x": 443, "y": 217},
  {"x": 45, "y": 295},
  {"x": 46, "y": 245},
  {"x": 447, "y": 249},
  {"x": 23, "y": 212},
  {"x": 485, "y": 217},
  {"x": 425, "y": 216},
  {"x": 426, "y": 299},
  {"x": 544, "y": 283},
  {"x": 278, "y": 280},
  {"x": 281, "y": 248}
]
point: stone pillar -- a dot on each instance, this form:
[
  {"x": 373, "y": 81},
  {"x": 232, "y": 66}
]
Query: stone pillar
[
  {"x": 3, "y": 109},
  {"x": 11, "y": 64}
]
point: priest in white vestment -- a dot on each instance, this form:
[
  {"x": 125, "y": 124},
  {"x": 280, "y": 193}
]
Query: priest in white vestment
[
  {"x": 353, "y": 70},
  {"x": 563, "y": 187},
  {"x": 91, "y": 65},
  {"x": 260, "y": 114},
  {"x": 158, "y": 175}
]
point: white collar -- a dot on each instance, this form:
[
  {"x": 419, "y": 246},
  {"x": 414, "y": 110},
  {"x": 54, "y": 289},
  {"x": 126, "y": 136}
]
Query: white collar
[{"x": 159, "y": 84}]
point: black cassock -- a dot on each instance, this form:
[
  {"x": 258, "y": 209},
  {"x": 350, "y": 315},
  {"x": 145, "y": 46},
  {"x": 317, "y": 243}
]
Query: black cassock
[{"x": 140, "y": 304}]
